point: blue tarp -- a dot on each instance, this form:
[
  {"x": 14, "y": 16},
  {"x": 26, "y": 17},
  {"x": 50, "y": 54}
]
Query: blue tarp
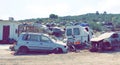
[{"x": 84, "y": 24}]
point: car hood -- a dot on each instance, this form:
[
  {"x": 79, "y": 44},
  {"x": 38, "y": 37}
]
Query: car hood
[
  {"x": 102, "y": 36},
  {"x": 97, "y": 39},
  {"x": 56, "y": 41},
  {"x": 60, "y": 42}
]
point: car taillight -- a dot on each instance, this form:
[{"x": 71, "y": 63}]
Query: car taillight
[{"x": 77, "y": 42}]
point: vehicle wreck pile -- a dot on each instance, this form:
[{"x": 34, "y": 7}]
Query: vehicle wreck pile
[
  {"x": 72, "y": 37},
  {"x": 106, "y": 41}
]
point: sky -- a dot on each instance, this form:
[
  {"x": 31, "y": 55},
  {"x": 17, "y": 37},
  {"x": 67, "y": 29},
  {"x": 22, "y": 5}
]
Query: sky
[{"x": 26, "y": 9}]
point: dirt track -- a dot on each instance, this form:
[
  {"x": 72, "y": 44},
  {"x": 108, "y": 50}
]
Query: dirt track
[{"x": 84, "y": 57}]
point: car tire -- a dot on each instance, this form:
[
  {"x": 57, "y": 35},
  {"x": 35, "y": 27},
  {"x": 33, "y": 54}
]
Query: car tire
[
  {"x": 22, "y": 50},
  {"x": 93, "y": 50},
  {"x": 57, "y": 50},
  {"x": 106, "y": 45},
  {"x": 72, "y": 48}
]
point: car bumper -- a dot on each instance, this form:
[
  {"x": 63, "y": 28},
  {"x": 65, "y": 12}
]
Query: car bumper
[
  {"x": 65, "y": 50},
  {"x": 12, "y": 48}
]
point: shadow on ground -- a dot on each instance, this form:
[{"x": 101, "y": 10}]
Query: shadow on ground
[{"x": 111, "y": 51}]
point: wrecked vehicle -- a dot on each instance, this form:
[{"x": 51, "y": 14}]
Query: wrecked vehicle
[
  {"x": 78, "y": 36},
  {"x": 106, "y": 41},
  {"x": 38, "y": 42}
]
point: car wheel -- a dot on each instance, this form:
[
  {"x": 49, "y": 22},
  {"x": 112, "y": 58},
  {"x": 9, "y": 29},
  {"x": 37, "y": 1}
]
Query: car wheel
[
  {"x": 107, "y": 45},
  {"x": 22, "y": 50},
  {"x": 57, "y": 50},
  {"x": 93, "y": 50},
  {"x": 72, "y": 48}
]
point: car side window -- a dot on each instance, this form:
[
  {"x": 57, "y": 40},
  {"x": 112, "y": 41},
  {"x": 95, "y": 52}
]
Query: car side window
[
  {"x": 31, "y": 37},
  {"x": 34, "y": 38},
  {"x": 44, "y": 39},
  {"x": 25, "y": 37}
]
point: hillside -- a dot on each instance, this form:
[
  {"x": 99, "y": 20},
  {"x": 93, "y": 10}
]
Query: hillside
[{"x": 96, "y": 20}]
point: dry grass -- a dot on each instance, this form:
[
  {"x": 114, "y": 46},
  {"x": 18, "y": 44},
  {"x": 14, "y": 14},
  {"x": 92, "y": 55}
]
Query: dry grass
[{"x": 83, "y": 57}]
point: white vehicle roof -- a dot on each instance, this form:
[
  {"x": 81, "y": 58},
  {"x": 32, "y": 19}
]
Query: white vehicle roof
[
  {"x": 73, "y": 26},
  {"x": 34, "y": 33},
  {"x": 103, "y": 36}
]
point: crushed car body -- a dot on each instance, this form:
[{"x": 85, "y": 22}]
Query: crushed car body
[{"x": 106, "y": 41}]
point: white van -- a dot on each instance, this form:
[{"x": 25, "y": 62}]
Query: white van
[{"x": 78, "y": 34}]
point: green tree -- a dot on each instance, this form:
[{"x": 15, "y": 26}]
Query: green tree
[
  {"x": 97, "y": 13},
  {"x": 39, "y": 21},
  {"x": 53, "y": 16},
  {"x": 105, "y": 12},
  {"x": 95, "y": 26}
]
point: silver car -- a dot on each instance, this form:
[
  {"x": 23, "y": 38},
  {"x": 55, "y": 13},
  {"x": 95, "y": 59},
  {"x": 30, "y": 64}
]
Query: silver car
[{"x": 38, "y": 42}]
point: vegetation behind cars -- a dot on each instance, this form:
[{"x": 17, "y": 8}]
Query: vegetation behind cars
[{"x": 96, "y": 20}]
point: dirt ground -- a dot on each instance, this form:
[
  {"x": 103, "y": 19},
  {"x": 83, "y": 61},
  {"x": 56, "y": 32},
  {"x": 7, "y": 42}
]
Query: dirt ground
[{"x": 84, "y": 57}]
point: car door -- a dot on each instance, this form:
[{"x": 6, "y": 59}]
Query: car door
[
  {"x": 33, "y": 42},
  {"x": 46, "y": 43},
  {"x": 76, "y": 35}
]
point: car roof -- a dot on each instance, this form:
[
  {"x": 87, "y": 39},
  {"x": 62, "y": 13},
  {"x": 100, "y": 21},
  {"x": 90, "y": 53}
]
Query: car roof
[{"x": 35, "y": 33}]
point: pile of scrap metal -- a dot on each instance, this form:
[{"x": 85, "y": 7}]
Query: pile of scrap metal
[{"x": 106, "y": 41}]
